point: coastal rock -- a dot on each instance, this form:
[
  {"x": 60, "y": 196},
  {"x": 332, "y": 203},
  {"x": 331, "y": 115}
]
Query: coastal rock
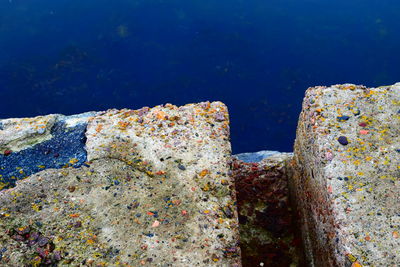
[
  {"x": 346, "y": 180},
  {"x": 146, "y": 187}
]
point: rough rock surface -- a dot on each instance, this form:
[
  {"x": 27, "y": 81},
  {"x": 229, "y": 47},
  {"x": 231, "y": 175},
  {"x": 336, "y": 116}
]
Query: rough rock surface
[
  {"x": 123, "y": 187},
  {"x": 267, "y": 228},
  {"x": 347, "y": 175}
]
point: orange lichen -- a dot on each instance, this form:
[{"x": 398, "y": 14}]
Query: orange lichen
[
  {"x": 161, "y": 115},
  {"x": 99, "y": 128},
  {"x": 204, "y": 172},
  {"x": 122, "y": 125}
]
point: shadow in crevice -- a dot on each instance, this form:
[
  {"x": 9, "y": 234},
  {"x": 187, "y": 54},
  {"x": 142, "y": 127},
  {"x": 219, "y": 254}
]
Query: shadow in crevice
[{"x": 269, "y": 233}]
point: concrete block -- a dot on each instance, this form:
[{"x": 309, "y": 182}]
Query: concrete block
[
  {"x": 146, "y": 187},
  {"x": 347, "y": 175}
]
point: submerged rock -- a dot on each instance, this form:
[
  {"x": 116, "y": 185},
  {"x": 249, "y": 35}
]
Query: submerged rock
[{"x": 125, "y": 200}]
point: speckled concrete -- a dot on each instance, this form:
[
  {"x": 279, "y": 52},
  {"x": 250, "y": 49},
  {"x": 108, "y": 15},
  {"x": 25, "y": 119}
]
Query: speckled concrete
[
  {"x": 152, "y": 190},
  {"x": 347, "y": 175}
]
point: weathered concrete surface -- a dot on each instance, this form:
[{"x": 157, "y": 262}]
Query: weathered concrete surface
[
  {"x": 347, "y": 175},
  {"x": 141, "y": 187},
  {"x": 267, "y": 229}
]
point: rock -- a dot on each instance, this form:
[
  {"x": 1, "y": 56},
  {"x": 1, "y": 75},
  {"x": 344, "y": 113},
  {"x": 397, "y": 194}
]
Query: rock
[
  {"x": 267, "y": 230},
  {"x": 117, "y": 193},
  {"x": 348, "y": 195}
]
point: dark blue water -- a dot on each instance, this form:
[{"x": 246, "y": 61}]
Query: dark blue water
[{"x": 257, "y": 56}]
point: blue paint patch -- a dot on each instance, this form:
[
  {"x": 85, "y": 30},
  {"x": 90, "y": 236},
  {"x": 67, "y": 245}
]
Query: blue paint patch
[{"x": 67, "y": 143}]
